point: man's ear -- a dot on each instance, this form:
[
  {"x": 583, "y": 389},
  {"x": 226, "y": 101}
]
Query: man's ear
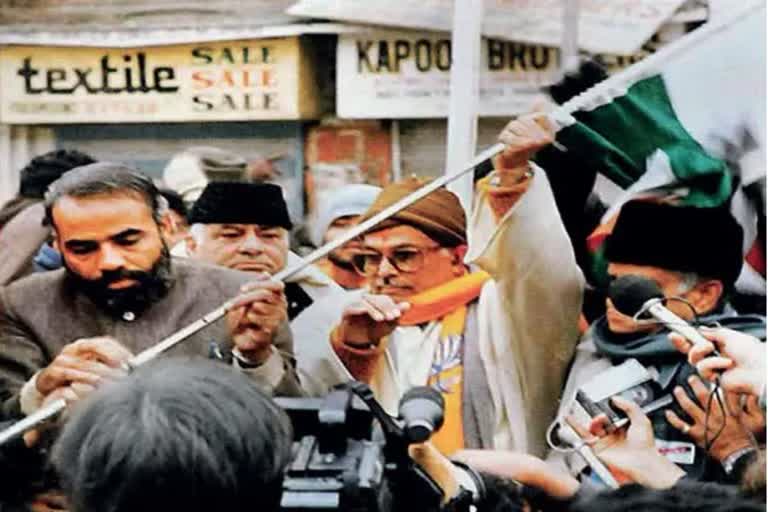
[
  {"x": 190, "y": 243},
  {"x": 706, "y": 295},
  {"x": 55, "y": 241},
  {"x": 459, "y": 252},
  {"x": 166, "y": 225}
]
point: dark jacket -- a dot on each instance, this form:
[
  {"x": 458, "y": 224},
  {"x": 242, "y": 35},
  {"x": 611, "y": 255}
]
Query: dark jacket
[
  {"x": 42, "y": 313},
  {"x": 655, "y": 351}
]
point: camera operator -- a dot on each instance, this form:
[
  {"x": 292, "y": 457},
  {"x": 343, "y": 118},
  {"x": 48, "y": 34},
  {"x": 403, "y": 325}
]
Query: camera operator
[
  {"x": 650, "y": 482},
  {"x": 631, "y": 453},
  {"x": 668, "y": 245},
  {"x": 177, "y": 434}
]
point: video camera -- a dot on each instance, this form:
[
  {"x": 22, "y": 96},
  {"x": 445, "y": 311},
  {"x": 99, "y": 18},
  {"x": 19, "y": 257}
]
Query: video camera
[
  {"x": 630, "y": 380},
  {"x": 343, "y": 460}
]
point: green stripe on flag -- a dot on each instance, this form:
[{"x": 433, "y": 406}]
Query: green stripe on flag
[{"x": 617, "y": 139}]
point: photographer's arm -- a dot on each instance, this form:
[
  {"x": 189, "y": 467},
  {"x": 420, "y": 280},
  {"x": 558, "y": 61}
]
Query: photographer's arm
[{"x": 523, "y": 468}]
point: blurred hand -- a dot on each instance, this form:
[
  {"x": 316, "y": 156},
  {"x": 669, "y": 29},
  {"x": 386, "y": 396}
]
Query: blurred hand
[
  {"x": 523, "y": 137},
  {"x": 436, "y": 466},
  {"x": 50, "y": 501},
  {"x": 733, "y": 436},
  {"x": 71, "y": 394},
  {"x": 742, "y": 360},
  {"x": 256, "y": 316},
  {"x": 369, "y": 320},
  {"x": 632, "y": 451},
  {"x": 89, "y": 361},
  {"x": 521, "y": 467}
]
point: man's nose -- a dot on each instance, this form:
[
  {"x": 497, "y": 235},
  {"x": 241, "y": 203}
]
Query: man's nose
[
  {"x": 111, "y": 258},
  {"x": 251, "y": 244},
  {"x": 386, "y": 268}
]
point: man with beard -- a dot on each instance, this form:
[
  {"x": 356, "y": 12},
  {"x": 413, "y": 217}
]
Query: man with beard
[
  {"x": 338, "y": 215},
  {"x": 673, "y": 246},
  {"x": 245, "y": 226},
  {"x": 119, "y": 293}
]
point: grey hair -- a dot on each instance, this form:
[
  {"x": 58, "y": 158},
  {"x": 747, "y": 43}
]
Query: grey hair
[
  {"x": 104, "y": 178},
  {"x": 688, "y": 281},
  {"x": 197, "y": 231}
]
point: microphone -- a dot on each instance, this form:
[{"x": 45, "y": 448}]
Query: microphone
[
  {"x": 422, "y": 411},
  {"x": 640, "y": 297}
]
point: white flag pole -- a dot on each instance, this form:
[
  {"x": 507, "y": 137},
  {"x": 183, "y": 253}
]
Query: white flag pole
[{"x": 465, "y": 92}]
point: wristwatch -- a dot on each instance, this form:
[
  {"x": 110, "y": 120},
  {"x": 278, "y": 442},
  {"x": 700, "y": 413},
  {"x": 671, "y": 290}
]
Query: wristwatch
[
  {"x": 244, "y": 362},
  {"x": 729, "y": 463}
]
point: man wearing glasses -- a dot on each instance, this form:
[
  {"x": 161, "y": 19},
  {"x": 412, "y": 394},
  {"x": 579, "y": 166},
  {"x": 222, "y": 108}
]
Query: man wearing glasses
[{"x": 491, "y": 324}]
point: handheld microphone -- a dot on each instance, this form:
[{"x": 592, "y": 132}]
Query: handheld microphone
[
  {"x": 422, "y": 411},
  {"x": 640, "y": 297}
]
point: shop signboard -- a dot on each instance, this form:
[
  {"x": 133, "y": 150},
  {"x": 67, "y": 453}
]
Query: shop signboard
[{"x": 262, "y": 79}]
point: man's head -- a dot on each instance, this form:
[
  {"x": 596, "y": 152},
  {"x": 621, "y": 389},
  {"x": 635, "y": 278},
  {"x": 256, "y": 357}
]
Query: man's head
[
  {"x": 108, "y": 222},
  {"x": 243, "y": 226},
  {"x": 686, "y": 495},
  {"x": 190, "y": 171},
  {"x": 416, "y": 249},
  {"x": 181, "y": 434},
  {"x": 339, "y": 214},
  {"x": 691, "y": 253},
  {"x": 178, "y": 213},
  {"x": 43, "y": 170}
]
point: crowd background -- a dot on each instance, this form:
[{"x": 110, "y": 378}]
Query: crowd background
[{"x": 510, "y": 311}]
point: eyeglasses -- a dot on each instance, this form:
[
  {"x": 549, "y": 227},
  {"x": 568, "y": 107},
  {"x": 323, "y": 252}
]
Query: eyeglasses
[{"x": 406, "y": 259}]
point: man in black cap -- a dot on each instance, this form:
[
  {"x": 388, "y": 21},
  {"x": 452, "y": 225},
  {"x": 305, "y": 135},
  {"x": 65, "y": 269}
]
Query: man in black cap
[
  {"x": 694, "y": 255},
  {"x": 245, "y": 226}
]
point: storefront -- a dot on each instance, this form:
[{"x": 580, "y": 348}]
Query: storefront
[
  {"x": 142, "y": 105},
  {"x": 402, "y": 77}
]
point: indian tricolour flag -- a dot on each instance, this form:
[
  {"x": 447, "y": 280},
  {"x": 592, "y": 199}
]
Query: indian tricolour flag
[{"x": 686, "y": 124}]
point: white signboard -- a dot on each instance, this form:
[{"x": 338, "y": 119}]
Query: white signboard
[
  {"x": 216, "y": 81},
  {"x": 605, "y": 26},
  {"x": 390, "y": 75}
]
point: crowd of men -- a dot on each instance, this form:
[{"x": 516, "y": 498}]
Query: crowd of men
[{"x": 98, "y": 264}]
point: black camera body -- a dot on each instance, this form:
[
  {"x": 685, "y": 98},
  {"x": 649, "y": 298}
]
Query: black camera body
[
  {"x": 349, "y": 455},
  {"x": 630, "y": 380}
]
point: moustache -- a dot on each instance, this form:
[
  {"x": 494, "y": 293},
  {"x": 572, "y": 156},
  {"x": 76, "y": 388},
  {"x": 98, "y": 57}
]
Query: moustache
[
  {"x": 391, "y": 282},
  {"x": 112, "y": 276}
]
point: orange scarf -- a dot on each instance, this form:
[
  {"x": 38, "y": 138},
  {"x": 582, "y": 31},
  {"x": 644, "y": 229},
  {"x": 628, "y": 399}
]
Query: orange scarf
[
  {"x": 437, "y": 302},
  {"x": 447, "y": 303}
]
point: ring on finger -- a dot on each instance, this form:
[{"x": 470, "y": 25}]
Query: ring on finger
[{"x": 686, "y": 429}]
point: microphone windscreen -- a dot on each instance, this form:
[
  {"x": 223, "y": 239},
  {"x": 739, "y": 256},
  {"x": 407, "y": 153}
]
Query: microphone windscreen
[
  {"x": 630, "y": 292},
  {"x": 425, "y": 392}
]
